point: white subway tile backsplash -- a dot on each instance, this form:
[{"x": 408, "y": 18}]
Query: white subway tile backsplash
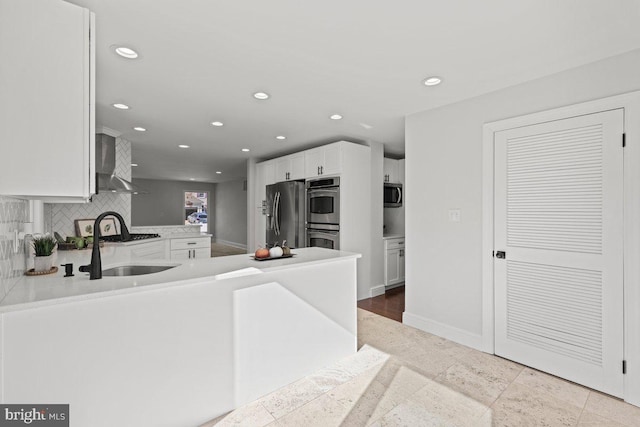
[{"x": 13, "y": 213}]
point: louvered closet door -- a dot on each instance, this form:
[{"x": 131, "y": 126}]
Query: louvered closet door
[{"x": 558, "y": 218}]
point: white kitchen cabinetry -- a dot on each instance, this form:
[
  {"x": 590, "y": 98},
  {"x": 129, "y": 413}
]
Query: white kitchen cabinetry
[
  {"x": 391, "y": 170},
  {"x": 190, "y": 248},
  {"x": 352, "y": 162},
  {"x": 149, "y": 250},
  {"x": 394, "y": 261},
  {"x": 268, "y": 172},
  {"x": 47, "y": 89},
  {"x": 290, "y": 167},
  {"x": 325, "y": 160}
]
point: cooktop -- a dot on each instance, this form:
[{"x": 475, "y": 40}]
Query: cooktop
[{"x": 132, "y": 237}]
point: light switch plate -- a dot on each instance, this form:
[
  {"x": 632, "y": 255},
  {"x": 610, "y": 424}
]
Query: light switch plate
[{"x": 454, "y": 215}]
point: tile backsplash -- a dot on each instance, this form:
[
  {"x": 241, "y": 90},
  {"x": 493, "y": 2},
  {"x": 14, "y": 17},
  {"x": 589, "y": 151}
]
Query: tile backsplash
[
  {"x": 13, "y": 213},
  {"x": 60, "y": 216}
]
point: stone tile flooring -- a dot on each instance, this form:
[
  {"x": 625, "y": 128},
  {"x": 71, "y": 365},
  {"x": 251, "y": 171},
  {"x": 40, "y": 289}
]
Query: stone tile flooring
[{"x": 405, "y": 377}]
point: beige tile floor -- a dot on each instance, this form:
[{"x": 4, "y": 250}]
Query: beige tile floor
[{"x": 405, "y": 377}]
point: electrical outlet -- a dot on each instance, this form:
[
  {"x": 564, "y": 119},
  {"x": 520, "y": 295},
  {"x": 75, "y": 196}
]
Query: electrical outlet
[{"x": 454, "y": 215}]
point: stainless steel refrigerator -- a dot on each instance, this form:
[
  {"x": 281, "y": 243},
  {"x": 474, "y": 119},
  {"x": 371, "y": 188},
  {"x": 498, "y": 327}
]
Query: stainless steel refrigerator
[{"x": 286, "y": 213}]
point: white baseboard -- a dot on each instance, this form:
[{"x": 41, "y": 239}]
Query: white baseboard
[
  {"x": 377, "y": 290},
  {"x": 228, "y": 243},
  {"x": 445, "y": 331}
]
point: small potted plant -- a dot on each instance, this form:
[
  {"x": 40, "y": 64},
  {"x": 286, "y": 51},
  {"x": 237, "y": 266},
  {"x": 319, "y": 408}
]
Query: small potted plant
[{"x": 43, "y": 247}]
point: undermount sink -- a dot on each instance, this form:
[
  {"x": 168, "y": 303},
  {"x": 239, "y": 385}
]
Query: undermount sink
[{"x": 135, "y": 270}]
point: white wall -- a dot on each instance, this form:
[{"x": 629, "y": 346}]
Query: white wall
[
  {"x": 376, "y": 209},
  {"x": 231, "y": 213},
  {"x": 444, "y": 171}
]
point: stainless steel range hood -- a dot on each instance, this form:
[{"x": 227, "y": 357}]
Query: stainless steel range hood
[{"x": 107, "y": 180}]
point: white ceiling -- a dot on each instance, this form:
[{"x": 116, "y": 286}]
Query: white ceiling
[{"x": 201, "y": 60}]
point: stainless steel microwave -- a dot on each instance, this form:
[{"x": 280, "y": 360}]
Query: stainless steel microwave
[{"x": 392, "y": 195}]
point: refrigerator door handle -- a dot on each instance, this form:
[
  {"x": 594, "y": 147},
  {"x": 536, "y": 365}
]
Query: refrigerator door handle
[{"x": 276, "y": 214}]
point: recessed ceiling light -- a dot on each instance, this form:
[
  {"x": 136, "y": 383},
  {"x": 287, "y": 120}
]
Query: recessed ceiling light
[
  {"x": 218, "y": 172},
  {"x": 246, "y": 150},
  {"x": 183, "y": 146},
  {"x": 126, "y": 52},
  {"x": 121, "y": 106},
  {"x": 335, "y": 117},
  {"x": 432, "y": 81},
  {"x": 192, "y": 179},
  {"x": 134, "y": 164},
  {"x": 261, "y": 95},
  {"x": 140, "y": 129},
  {"x": 217, "y": 124},
  {"x": 281, "y": 137}
]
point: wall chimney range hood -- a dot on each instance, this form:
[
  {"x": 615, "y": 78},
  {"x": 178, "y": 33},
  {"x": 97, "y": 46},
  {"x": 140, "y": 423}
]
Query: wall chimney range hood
[{"x": 106, "y": 178}]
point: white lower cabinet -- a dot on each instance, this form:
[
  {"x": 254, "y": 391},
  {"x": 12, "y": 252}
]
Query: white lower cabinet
[
  {"x": 190, "y": 248},
  {"x": 394, "y": 261}
]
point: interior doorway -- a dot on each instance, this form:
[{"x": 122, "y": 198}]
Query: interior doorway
[{"x": 196, "y": 209}]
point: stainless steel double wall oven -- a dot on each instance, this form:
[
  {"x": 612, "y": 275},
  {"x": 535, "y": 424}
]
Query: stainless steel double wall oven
[{"x": 323, "y": 213}]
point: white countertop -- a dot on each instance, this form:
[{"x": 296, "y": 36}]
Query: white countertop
[
  {"x": 183, "y": 235},
  {"x": 34, "y": 291},
  {"x": 161, "y": 238},
  {"x": 392, "y": 236}
]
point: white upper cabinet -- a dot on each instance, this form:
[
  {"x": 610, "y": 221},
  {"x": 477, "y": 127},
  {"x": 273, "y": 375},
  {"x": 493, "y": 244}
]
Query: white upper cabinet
[
  {"x": 322, "y": 161},
  {"x": 391, "y": 170},
  {"x": 269, "y": 172},
  {"x": 290, "y": 167},
  {"x": 47, "y": 122}
]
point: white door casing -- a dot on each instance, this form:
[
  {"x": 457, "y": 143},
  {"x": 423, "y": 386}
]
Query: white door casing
[{"x": 558, "y": 216}]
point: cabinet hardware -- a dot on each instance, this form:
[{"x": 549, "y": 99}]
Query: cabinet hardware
[
  {"x": 501, "y": 254},
  {"x": 318, "y": 170},
  {"x": 321, "y": 170},
  {"x": 191, "y": 243}
]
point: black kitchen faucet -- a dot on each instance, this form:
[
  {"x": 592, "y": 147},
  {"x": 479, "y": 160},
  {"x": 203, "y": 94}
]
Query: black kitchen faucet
[{"x": 95, "y": 267}]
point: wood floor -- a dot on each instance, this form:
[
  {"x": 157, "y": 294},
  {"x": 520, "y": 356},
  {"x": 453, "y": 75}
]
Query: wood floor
[
  {"x": 390, "y": 305},
  {"x": 218, "y": 249}
]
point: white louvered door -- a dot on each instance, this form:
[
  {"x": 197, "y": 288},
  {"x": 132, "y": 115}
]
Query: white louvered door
[{"x": 558, "y": 219}]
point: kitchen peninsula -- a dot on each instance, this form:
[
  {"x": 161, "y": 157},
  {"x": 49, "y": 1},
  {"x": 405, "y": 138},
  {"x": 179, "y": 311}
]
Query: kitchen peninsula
[{"x": 177, "y": 347}]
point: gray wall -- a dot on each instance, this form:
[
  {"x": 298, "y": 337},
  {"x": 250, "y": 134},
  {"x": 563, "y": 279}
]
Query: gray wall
[
  {"x": 231, "y": 213},
  {"x": 164, "y": 203},
  {"x": 444, "y": 171}
]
